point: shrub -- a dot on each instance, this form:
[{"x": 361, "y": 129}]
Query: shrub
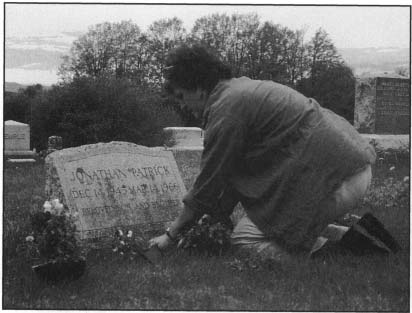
[
  {"x": 102, "y": 109},
  {"x": 333, "y": 88}
]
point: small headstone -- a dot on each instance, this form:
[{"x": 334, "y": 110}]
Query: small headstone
[
  {"x": 382, "y": 105},
  {"x": 16, "y": 136},
  {"x": 54, "y": 143},
  {"x": 116, "y": 185}
]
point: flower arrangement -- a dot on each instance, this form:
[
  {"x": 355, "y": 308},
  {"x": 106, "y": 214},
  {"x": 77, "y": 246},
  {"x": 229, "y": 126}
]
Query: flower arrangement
[
  {"x": 127, "y": 244},
  {"x": 207, "y": 236},
  {"x": 53, "y": 241},
  {"x": 132, "y": 247}
]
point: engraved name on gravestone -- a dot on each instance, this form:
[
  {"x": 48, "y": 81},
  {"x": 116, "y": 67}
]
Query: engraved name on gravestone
[
  {"x": 392, "y": 106},
  {"x": 117, "y": 184}
]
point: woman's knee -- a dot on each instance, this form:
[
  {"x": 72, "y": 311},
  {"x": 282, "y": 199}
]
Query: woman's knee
[{"x": 353, "y": 189}]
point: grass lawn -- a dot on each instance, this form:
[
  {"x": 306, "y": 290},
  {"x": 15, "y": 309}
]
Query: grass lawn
[{"x": 186, "y": 282}]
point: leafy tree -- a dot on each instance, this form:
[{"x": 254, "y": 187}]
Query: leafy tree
[
  {"x": 122, "y": 52},
  {"x": 241, "y": 40},
  {"x": 321, "y": 54},
  {"x": 231, "y": 37},
  {"x": 89, "y": 110},
  {"x": 18, "y": 106},
  {"x": 295, "y": 56},
  {"x": 213, "y": 31},
  {"x": 327, "y": 78},
  {"x": 268, "y": 58},
  {"x": 333, "y": 88},
  {"x": 162, "y": 36},
  {"x": 107, "y": 48}
]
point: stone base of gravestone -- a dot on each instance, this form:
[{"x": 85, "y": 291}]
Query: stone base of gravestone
[
  {"x": 21, "y": 161},
  {"x": 115, "y": 185},
  {"x": 20, "y": 154}
]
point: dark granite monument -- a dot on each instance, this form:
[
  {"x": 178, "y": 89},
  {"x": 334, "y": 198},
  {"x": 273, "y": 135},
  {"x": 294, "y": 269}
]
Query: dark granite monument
[{"x": 382, "y": 105}]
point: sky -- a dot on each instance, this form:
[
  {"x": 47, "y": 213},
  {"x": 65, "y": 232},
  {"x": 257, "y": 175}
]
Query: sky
[{"x": 348, "y": 26}]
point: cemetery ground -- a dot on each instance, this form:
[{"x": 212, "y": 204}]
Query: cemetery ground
[{"x": 192, "y": 282}]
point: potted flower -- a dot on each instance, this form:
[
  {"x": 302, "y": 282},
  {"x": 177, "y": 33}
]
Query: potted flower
[{"x": 54, "y": 244}]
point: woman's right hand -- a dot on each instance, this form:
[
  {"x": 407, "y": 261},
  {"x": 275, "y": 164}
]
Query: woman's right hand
[{"x": 162, "y": 242}]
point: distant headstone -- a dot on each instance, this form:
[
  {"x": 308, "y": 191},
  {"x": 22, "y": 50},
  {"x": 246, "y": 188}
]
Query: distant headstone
[
  {"x": 115, "y": 185},
  {"x": 183, "y": 136},
  {"x": 16, "y": 136},
  {"x": 382, "y": 105},
  {"x": 54, "y": 143}
]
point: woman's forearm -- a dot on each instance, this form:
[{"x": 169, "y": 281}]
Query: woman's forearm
[{"x": 186, "y": 216}]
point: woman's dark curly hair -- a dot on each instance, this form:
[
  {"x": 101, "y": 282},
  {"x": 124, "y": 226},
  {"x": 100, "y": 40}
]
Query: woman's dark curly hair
[{"x": 193, "y": 67}]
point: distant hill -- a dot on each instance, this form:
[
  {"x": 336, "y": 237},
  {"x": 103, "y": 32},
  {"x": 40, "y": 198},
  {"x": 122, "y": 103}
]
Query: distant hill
[
  {"x": 13, "y": 87},
  {"x": 375, "y": 60}
]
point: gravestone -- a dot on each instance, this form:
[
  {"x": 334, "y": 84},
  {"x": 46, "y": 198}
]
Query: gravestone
[
  {"x": 116, "y": 185},
  {"x": 392, "y": 106},
  {"x": 183, "y": 136},
  {"x": 382, "y": 105},
  {"x": 17, "y": 143},
  {"x": 16, "y": 136}
]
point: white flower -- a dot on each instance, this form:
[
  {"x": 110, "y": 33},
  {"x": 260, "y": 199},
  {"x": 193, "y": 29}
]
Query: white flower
[
  {"x": 122, "y": 242},
  {"x": 406, "y": 179},
  {"x": 121, "y": 253},
  {"x": 55, "y": 202},
  {"x": 129, "y": 234},
  {"x": 120, "y": 232},
  {"x": 203, "y": 219},
  {"x": 115, "y": 249},
  {"x": 47, "y": 207},
  {"x": 58, "y": 208},
  {"x": 29, "y": 238},
  {"x": 392, "y": 168}
]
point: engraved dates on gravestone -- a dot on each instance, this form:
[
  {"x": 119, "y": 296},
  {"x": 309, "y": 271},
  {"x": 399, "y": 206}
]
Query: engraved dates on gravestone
[{"x": 117, "y": 184}]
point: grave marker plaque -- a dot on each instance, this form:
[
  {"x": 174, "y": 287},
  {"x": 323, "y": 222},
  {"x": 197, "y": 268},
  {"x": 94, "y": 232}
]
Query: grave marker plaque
[
  {"x": 116, "y": 185},
  {"x": 392, "y": 106}
]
